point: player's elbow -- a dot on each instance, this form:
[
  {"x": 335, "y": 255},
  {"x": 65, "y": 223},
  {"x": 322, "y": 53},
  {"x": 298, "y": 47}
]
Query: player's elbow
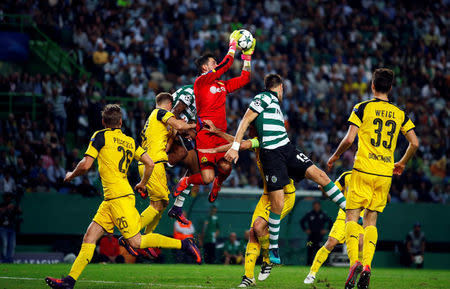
[{"x": 415, "y": 143}]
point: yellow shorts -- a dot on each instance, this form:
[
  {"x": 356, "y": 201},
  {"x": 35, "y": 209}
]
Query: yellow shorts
[
  {"x": 120, "y": 212},
  {"x": 263, "y": 207},
  {"x": 157, "y": 184},
  {"x": 368, "y": 191},
  {"x": 338, "y": 230}
]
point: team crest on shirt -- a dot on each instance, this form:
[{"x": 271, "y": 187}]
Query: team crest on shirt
[
  {"x": 204, "y": 160},
  {"x": 274, "y": 179}
]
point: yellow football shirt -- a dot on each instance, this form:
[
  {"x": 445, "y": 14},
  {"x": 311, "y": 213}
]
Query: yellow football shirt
[
  {"x": 114, "y": 151},
  {"x": 155, "y": 134},
  {"x": 380, "y": 123}
]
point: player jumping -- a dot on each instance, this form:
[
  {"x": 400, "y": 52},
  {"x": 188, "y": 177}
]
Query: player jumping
[
  {"x": 259, "y": 227},
  {"x": 160, "y": 124},
  {"x": 210, "y": 100},
  {"x": 115, "y": 151},
  {"x": 377, "y": 123},
  {"x": 280, "y": 159}
]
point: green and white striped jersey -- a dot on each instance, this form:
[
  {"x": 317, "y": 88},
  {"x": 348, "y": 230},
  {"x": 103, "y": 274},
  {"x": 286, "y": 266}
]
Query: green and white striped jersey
[
  {"x": 186, "y": 95},
  {"x": 270, "y": 121}
]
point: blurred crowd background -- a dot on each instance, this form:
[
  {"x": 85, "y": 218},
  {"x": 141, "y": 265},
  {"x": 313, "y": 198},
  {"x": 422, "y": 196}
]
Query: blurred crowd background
[{"x": 324, "y": 50}]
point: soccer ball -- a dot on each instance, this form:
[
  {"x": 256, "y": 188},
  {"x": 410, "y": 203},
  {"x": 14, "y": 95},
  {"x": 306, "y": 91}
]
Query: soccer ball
[{"x": 246, "y": 39}]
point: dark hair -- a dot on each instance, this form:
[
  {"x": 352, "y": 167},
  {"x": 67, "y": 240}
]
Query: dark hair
[
  {"x": 382, "y": 79},
  {"x": 202, "y": 60},
  {"x": 112, "y": 115},
  {"x": 272, "y": 80},
  {"x": 163, "y": 97}
]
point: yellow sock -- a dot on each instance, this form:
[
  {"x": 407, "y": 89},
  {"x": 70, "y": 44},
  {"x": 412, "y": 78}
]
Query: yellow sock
[
  {"x": 152, "y": 226},
  {"x": 264, "y": 243},
  {"x": 148, "y": 215},
  {"x": 352, "y": 240},
  {"x": 320, "y": 258},
  {"x": 84, "y": 257},
  {"x": 159, "y": 241},
  {"x": 360, "y": 255},
  {"x": 370, "y": 243},
  {"x": 251, "y": 254}
]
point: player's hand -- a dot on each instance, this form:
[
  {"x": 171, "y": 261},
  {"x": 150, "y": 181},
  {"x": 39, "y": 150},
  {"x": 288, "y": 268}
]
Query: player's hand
[
  {"x": 398, "y": 168},
  {"x": 68, "y": 177},
  {"x": 251, "y": 49},
  {"x": 232, "y": 155},
  {"x": 234, "y": 37},
  {"x": 208, "y": 151},
  {"x": 331, "y": 161},
  {"x": 209, "y": 126},
  {"x": 142, "y": 190}
]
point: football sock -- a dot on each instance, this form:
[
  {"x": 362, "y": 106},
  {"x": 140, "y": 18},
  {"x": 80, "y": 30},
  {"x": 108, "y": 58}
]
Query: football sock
[
  {"x": 264, "y": 243},
  {"x": 360, "y": 255},
  {"x": 179, "y": 201},
  {"x": 274, "y": 230},
  {"x": 195, "y": 179},
  {"x": 370, "y": 243},
  {"x": 320, "y": 258},
  {"x": 148, "y": 215},
  {"x": 333, "y": 192},
  {"x": 251, "y": 254},
  {"x": 222, "y": 175},
  {"x": 159, "y": 241},
  {"x": 151, "y": 227},
  {"x": 352, "y": 240},
  {"x": 84, "y": 257}
]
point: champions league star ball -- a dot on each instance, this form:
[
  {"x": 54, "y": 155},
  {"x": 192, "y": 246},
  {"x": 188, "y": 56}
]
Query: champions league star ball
[{"x": 246, "y": 39}]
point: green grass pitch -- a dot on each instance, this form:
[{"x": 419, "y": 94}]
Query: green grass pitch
[{"x": 211, "y": 276}]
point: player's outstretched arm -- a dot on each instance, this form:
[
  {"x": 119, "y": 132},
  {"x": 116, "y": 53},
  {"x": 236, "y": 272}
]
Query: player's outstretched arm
[
  {"x": 148, "y": 169},
  {"x": 346, "y": 142},
  {"x": 82, "y": 168},
  {"x": 238, "y": 82},
  {"x": 223, "y": 66},
  {"x": 179, "y": 124},
  {"x": 232, "y": 154},
  {"x": 410, "y": 151}
]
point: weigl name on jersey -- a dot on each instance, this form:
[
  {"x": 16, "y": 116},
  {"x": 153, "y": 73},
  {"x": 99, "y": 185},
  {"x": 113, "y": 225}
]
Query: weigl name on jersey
[{"x": 385, "y": 113}]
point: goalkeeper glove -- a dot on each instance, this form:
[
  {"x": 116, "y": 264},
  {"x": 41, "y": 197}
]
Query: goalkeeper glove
[
  {"x": 234, "y": 37},
  {"x": 247, "y": 54}
]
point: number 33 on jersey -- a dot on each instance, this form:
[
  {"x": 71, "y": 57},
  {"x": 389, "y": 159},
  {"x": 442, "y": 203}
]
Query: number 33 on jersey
[
  {"x": 114, "y": 151},
  {"x": 380, "y": 123}
]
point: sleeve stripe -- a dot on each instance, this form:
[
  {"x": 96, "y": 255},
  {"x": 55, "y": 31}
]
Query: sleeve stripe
[
  {"x": 352, "y": 123},
  {"x": 89, "y": 156},
  {"x": 256, "y": 109},
  {"x": 222, "y": 65}
]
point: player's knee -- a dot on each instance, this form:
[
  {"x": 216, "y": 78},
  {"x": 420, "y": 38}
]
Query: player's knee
[
  {"x": 207, "y": 178},
  {"x": 135, "y": 242},
  {"x": 331, "y": 243},
  {"x": 224, "y": 166},
  {"x": 260, "y": 227}
]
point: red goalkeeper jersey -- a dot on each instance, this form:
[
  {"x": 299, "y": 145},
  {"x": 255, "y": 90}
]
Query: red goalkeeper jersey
[{"x": 210, "y": 97}]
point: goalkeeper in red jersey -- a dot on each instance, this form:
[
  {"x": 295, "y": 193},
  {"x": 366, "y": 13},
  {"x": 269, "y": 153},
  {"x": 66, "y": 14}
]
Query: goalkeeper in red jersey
[{"x": 210, "y": 97}]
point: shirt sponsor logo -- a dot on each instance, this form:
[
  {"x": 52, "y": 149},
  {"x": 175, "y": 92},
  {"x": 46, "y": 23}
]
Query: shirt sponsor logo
[{"x": 213, "y": 89}]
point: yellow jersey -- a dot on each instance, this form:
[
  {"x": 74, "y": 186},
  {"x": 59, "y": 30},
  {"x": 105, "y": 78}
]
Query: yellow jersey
[
  {"x": 288, "y": 189},
  {"x": 380, "y": 123},
  {"x": 155, "y": 134},
  {"x": 114, "y": 152}
]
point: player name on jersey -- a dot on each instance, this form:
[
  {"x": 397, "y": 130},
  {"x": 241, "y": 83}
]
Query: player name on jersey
[
  {"x": 122, "y": 142},
  {"x": 385, "y": 113}
]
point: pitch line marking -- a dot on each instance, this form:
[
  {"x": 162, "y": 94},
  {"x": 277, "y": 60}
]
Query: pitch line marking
[{"x": 112, "y": 282}]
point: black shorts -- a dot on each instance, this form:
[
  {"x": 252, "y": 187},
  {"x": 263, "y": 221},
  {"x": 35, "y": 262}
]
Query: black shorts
[
  {"x": 189, "y": 144},
  {"x": 283, "y": 163}
]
